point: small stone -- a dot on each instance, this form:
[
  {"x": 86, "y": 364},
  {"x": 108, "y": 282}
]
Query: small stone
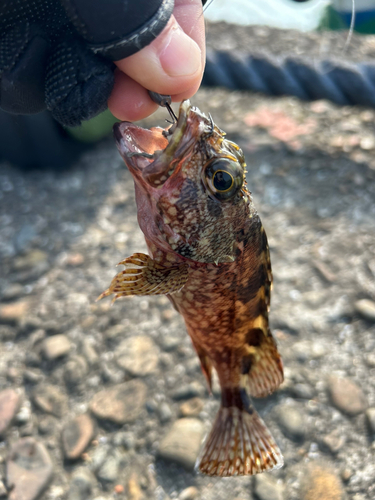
[
  {"x": 303, "y": 391},
  {"x": 109, "y": 471},
  {"x": 121, "y": 403},
  {"x": 89, "y": 352},
  {"x": 182, "y": 442},
  {"x": 320, "y": 483},
  {"x": 12, "y": 291},
  {"x": 3, "y": 490},
  {"x": 114, "y": 331},
  {"x": 118, "y": 489},
  {"x": 190, "y": 493},
  {"x": 164, "y": 412},
  {"x": 29, "y": 469},
  {"x": 76, "y": 436},
  {"x": 346, "y": 474},
  {"x": 24, "y": 414},
  {"x": 56, "y": 346},
  {"x": 370, "y": 359},
  {"x": 346, "y": 395},
  {"x": 191, "y": 408},
  {"x": 7, "y": 333},
  {"x": 138, "y": 356},
  {"x": 75, "y": 371},
  {"x": 134, "y": 489},
  {"x": 266, "y": 488},
  {"x": 366, "y": 308},
  {"x": 33, "y": 375},
  {"x": 50, "y": 399},
  {"x": 9, "y": 404},
  {"x": 125, "y": 439},
  {"x": 291, "y": 422},
  {"x": 188, "y": 391},
  {"x": 370, "y": 417},
  {"x": 14, "y": 312},
  {"x": 47, "y": 425},
  {"x": 74, "y": 259},
  {"x": 81, "y": 484},
  {"x": 333, "y": 441}
]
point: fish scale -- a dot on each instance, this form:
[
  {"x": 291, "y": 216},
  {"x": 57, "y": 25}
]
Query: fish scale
[{"x": 208, "y": 253}]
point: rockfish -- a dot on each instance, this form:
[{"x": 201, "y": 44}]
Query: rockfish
[{"x": 208, "y": 253}]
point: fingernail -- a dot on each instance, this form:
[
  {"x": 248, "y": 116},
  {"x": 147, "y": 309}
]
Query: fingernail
[{"x": 180, "y": 56}]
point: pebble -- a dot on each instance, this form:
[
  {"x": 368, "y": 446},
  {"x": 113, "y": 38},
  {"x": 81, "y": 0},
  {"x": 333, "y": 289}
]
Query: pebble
[
  {"x": 189, "y": 493},
  {"x": 188, "y": 391},
  {"x": 303, "y": 391},
  {"x": 266, "y": 488},
  {"x": 334, "y": 441},
  {"x": 81, "y": 484},
  {"x": 12, "y": 291},
  {"x": 291, "y": 422},
  {"x": 320, "y": 483},
  {"x": 121, "y": 403},
  {"x": 366, "y": 308},
  {"x": 14, "y": 312},
  {"x": 47, "y": 425},
  {"x": 3, "y": 490},
  {"x": 192, "y": 407},
  {"x": 7, "y": 333},
  {"x": 76, "y": 436},
  {"x": 125, "y": 439},
  {"x": 138, "y": 356},
  {"x": 370, "y": 417},
  {"x": 9, "y": 405},
  {"x": 29, "y": 469},
  {"x": 89, "y": 352},
  {"x": 50, "y": 399},
  {"x": 109, "y": 471},
  {"x": 33, "y": 375},
  {"x": 114, "y": 331},
  {"x": 75, "y": 371},
  {"x": 134, "y": 489},
  {"x": 182, "y": 443},
  {"x": 164, "y": 412},
  {"x": 346, "y": 395},
  {"x": 56, "y": 346}
]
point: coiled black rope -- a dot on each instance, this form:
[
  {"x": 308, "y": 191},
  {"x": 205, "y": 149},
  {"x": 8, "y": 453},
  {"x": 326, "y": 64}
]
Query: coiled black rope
[{"x": 342, "y": 82}]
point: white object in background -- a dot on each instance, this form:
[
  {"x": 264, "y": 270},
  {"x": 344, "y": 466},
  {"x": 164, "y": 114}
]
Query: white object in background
[{"x": 285, "y": 14}]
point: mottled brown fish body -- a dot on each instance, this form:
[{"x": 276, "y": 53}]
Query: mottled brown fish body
[{"x": 209, "y": 254}]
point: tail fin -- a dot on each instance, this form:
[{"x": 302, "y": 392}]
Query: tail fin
[{"x": 239, "y": 444}]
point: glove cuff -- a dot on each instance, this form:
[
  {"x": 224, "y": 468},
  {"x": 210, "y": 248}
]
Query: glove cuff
[{"x": 123, "y": 44}]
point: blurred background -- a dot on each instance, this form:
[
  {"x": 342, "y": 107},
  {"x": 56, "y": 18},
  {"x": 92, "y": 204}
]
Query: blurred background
[{"x": 105, "y": 402}]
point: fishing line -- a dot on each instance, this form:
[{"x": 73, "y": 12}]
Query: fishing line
[{"x": 351, "y": 28}]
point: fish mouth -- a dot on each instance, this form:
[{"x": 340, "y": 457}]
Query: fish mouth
[{"x": 150, "y": 153}]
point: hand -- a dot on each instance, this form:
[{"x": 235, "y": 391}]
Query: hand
[
  {"x": 172, "y": 64},
  {"x": 57, "y": 54}
]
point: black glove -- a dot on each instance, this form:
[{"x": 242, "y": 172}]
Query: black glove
[{"x": 57, "y": 54}]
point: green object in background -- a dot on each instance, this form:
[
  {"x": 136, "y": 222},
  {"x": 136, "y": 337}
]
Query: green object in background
[
  {"x": 334, "y": 20},
  {"x": 331, "y": 20},
  {"x": 95, "y": 129}
]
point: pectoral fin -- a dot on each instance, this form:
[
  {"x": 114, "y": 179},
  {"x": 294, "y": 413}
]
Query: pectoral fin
[{"x": 144, "y": 276}]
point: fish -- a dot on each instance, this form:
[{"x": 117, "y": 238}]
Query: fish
[{"x": 208, "y": 253}]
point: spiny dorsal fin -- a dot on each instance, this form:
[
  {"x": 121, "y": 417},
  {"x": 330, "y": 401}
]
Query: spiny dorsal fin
[{"x": 144, "y": 276}]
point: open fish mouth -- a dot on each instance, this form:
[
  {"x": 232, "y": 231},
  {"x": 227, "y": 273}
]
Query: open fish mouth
[{"x": 149, "y": 153}]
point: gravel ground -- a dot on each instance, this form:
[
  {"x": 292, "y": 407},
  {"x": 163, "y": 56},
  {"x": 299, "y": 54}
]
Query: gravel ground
[{"x": 102, "y": 402}]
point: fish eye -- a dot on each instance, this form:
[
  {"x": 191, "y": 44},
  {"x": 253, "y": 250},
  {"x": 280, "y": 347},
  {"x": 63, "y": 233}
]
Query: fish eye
[
  {"x": 222, "y": 180},
  {"x": 223, "y": 177}
]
